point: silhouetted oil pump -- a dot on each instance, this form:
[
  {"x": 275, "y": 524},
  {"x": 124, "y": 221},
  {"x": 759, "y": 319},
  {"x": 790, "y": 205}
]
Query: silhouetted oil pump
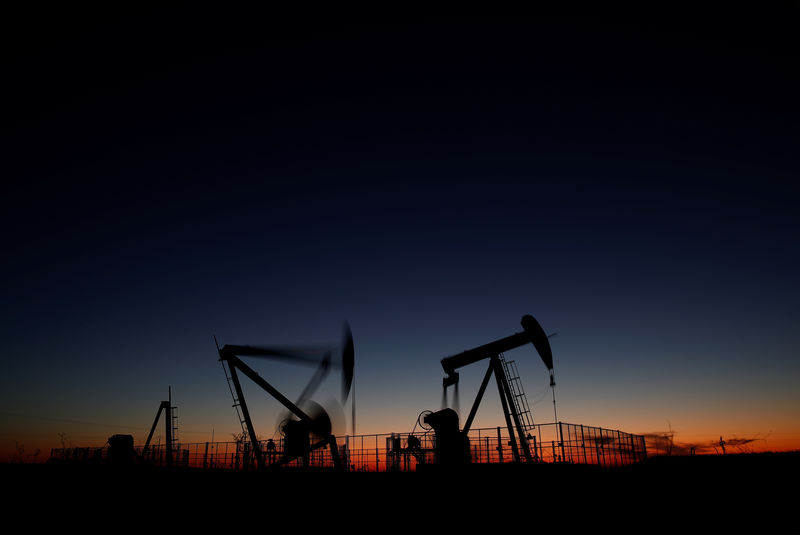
[
  {"x": 533, "y": 333},
  {"x": 310, "y": 423}
]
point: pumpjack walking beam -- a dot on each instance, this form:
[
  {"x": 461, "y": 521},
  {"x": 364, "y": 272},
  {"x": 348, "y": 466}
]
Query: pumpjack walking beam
[{"x": 533, "y": 333}]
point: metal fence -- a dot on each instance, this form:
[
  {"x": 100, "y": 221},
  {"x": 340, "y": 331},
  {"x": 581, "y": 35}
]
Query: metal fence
[{"x": 549, "y": 443}]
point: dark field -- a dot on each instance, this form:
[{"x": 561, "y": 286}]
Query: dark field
[{"x": 661, "y": 494}]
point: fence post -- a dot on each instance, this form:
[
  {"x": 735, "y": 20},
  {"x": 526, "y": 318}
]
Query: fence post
[
  {"x": 499, "y": 445},
  {"x": 583, "y": 446}
]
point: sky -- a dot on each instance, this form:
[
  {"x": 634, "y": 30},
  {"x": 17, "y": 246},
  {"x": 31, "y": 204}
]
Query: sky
[{"x": 172, "y": 176}]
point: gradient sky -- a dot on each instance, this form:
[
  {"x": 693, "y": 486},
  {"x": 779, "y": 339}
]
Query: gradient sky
[{"x": 171, "y": 176}]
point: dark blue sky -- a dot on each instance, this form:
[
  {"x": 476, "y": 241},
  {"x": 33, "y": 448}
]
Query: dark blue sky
[{"x": 171, "y": 176}]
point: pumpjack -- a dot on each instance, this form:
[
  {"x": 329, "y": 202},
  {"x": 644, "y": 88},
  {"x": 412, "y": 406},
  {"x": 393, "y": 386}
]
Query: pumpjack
[
  {"x": 313, "y": 423},
  {"x": 532, "y": 333}
]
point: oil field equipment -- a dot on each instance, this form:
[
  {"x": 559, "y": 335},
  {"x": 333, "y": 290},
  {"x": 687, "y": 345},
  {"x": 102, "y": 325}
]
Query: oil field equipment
[
  {"x": 308, "y": 428},
  {"x": 452, "y": 445},
  {"x": 170, "y": 428},
  {"x": 532, "y": 333},
  {"x": 120, "y": 449}
]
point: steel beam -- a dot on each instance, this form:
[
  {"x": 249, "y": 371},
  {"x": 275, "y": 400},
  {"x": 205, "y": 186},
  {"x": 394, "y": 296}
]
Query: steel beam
[{"x": 478, "y": 398}]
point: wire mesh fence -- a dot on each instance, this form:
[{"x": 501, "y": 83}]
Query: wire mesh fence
[{"x": 402, "y": 452}]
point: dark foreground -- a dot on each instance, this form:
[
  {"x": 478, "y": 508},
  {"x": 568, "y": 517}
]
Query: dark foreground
[{"x": 731, "y": 490}]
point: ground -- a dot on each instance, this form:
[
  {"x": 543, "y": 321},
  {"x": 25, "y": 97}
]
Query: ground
[{"x": 663, "y": 493}]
